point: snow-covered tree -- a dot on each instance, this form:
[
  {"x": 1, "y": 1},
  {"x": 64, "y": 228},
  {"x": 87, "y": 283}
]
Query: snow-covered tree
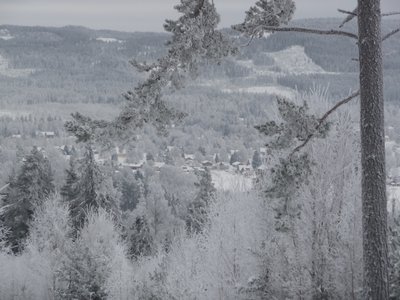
[
  {"x": 256, "y": 161},
  {"x": 195, "y": 38},
  {"x": 3, "y": 239},
  {"x": 162, "y": 223},
  {"x": 197, "y": 215},
  {"x": 95, "y": 190},
  {"x": 96, "y": 250},
  {"x": 70, "y": 189},
  {"x": 32, "y": 185},
  {"x": 50, "y": 242},
  {"x": 130, "y": 187},
  {"x": 267, "y": 13},
  {"x": 179, "y": 189},
  {"x": 137, "y": 234},
  {"x": 268, "y": 16}
]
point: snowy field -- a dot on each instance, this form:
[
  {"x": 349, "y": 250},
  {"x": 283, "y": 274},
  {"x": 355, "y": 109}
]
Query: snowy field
[
  {"x": 295, "y": 61},
  {"x": 5, "y": 70},
  {"x": 270, "y": 90},
  {"x": 108, "y": 40},
  {"x": 226, "y": 181},
  {"x": 290, "y": 61},
  {"x": 5, "y": 35}
]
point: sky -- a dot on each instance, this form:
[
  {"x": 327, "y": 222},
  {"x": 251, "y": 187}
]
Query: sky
[{"x": 146, "y": 15}]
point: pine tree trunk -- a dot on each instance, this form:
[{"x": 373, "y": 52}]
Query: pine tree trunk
[{"x": 374, "y": 203}]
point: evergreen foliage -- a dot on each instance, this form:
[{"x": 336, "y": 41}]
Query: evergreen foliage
[
  {"x": 296, "y": 127},
  {"x": 194, "y": 38},
  {"x": 70, "y": 190},
  {"x": 266, "y": 13},
  {"x": 131, "y": 189},
  {"x": 32, "y": 185},
  {"x": 256, "y": 161},
  {"x": 293, "y": 168},
  {"x": 137, "y": 235},
  {"x": 197, "y": 215},
  {"x": 96, "y": 248},
  {"x": 95, "y": 190}
]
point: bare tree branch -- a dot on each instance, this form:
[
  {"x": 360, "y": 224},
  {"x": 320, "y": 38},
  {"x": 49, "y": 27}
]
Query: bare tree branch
[
  {"x": 347, "y": 12},
  {"x": 393, "y": 13},
  {"x": 323, "y": 119},
  {"x": 393, "y": 32},
  {"x": 249, "y": 42},
  {"x": 350, "y": 17},
  {"x": 306, "y": 30}
]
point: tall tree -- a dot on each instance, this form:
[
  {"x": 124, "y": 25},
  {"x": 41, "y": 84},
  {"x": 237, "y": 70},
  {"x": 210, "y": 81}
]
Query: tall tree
[
  {"x": 33, "y": 184},
  {"x": 374, "y": 200}
]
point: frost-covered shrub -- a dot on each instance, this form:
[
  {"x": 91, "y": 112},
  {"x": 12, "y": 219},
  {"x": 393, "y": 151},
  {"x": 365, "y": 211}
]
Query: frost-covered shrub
[
  {"x": 216, "y": 264},
  {"x": 96, "y": 258},
  {"x": 34, "y": 274}
]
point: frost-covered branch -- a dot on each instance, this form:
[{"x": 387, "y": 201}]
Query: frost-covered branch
[
  {"x": 306, "y": 30},
  {"x": 194, "y": 38},
  {"x": 351, "y": 16},
  {"x": 269, "y": 16},
  {"x": 352, "y": 13},
  {"x": 322, "y": 120},
  {"x": 393, "y": 32},
  {"x": 394, "y": 13}
]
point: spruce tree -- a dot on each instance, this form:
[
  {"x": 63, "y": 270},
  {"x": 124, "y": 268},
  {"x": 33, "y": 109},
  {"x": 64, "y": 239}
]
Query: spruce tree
[
  {"x": 256, "y": 161},
  {"x": 198, "y": 209},
  {"x": 70, "y": 189},
  {"x": 137, "y": 235},
  {"x": 130, "y": 189},
  {"x": 33, "y": 184},
  {"x": 94, "y": 190}
]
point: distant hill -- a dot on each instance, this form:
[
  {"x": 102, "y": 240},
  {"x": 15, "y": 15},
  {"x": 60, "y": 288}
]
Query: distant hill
[{"x": 76, "y": 64}]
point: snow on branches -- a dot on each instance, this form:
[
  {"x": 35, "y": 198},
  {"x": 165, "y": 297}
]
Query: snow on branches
[
  {"x": 266, "y": 13},
  {"x": 291, "y": 171},
  {"x": 297, "y": 125},
  {"x": 194, "y": 38}
]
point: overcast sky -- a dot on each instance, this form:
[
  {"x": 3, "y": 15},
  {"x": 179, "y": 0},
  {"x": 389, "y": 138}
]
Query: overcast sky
[{"x": 144, "y": 15}]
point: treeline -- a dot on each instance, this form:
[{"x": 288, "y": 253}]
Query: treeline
[
  {"x": 30, "y": 126},
  {"x": 144, "y": 210}
]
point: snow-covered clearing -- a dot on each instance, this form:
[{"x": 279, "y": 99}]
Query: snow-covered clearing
[
  {"x": 5, "y": 35},
  {"x": 295, "y": 61},
  {"x": 271, "y": 90},
  {"x": 226, "y": 181},
  {"x": 5, "y": 70},
  {"x": 108, "y": 40}
]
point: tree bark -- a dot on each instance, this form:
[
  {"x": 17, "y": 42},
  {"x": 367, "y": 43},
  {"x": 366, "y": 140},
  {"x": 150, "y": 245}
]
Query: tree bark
[{"x": 374, "y": 202}]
